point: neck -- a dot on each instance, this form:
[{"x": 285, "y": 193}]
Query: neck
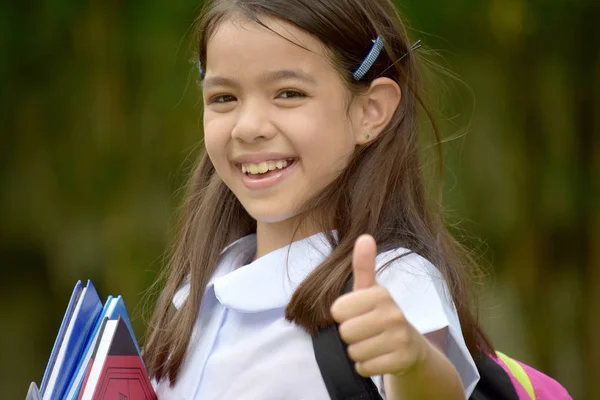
[{"x": 273, "y": 236}]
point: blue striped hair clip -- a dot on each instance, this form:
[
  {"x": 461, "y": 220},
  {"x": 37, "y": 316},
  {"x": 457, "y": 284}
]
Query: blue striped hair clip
[{"x": 370, "y": 59}]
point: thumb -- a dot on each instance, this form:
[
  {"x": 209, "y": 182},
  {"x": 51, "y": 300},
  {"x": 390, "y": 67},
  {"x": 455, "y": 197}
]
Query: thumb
[{"x": 363, "y": 262}]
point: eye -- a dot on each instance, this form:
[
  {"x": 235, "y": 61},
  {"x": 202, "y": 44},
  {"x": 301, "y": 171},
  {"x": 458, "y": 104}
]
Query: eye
[
  {"x": 288, "y": 94},
  {"x": 221, "y": 99}
]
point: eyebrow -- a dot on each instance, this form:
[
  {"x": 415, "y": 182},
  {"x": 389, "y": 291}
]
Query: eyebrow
[
  {"x": 286, "y": 74},
  {"x": 267, "y": 77}
]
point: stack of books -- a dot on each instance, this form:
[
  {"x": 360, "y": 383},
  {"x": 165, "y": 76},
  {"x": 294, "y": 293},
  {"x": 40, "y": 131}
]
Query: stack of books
[{"x": 95, "y": 355}]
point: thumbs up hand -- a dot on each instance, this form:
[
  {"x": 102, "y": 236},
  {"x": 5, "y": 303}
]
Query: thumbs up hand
[{"x": 380, "y": 339}]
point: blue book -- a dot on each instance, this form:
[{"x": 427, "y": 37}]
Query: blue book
[
  {"x": 79, "y": 374},
  {"x": 84, "y": 319},
  {"x": 61, "y": 334},
  {"x": 113, "y": 309}
]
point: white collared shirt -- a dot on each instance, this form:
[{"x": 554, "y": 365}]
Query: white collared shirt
[{"x": 242, "y": 347}]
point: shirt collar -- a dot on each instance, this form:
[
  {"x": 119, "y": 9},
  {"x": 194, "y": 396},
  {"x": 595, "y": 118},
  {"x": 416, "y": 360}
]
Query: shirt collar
[
  {"x": 233, "y": 255},
  {"x": 266, "y": 283},
  {"x": 269, "y": 281}
]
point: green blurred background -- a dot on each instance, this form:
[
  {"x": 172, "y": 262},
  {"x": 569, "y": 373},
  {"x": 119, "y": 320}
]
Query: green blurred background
[{"x": 101, "y": 122}]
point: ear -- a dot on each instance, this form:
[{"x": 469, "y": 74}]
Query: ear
[{"x": 379, "y": 103}]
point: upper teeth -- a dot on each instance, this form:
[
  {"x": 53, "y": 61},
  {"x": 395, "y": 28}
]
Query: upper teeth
[{"x": 264, "y": 166}]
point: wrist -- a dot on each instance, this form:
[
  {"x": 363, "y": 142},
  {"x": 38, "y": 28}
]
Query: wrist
[{"x": 415, "y": 382}]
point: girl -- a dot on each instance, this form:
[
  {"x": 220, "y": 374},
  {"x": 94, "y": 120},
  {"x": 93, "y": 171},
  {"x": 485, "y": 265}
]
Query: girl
[{"x": 310, "y": 130}]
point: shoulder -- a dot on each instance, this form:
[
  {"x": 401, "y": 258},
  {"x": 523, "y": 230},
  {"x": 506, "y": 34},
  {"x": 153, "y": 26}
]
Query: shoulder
[
  {"x": 404, "y": 268},
  {"x": 418, "y": 287}
]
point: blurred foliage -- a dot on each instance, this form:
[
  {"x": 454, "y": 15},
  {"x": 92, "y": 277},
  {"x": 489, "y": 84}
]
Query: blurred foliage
[{"x": 101, "y": 124}]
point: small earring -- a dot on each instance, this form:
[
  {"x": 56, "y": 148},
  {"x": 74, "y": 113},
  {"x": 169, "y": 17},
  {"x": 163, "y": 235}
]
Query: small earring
[{"x": 367, "y": 136}]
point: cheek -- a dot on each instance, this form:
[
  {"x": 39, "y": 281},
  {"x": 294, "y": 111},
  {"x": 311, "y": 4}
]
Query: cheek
[
  {"x": 216, "y": 138},
  {"x": 330, "y": 139}
]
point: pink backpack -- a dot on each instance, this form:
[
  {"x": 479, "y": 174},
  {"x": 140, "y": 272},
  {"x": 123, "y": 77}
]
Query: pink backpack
[{"x": 529, "y": 383}]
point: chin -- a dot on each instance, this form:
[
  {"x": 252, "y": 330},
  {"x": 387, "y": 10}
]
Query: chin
[{"x": 271, "y": 216}]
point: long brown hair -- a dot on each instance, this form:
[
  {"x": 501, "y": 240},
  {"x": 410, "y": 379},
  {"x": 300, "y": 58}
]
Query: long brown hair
[{"x": 381, "y": 191}]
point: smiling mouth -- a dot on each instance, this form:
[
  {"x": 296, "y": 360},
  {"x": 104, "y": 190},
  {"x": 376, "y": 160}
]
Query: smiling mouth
[{"x": 265, "y": 168}]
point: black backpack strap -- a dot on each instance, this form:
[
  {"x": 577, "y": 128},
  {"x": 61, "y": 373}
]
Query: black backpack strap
[
  {"x": 337, "y": 369},
  {"x": 340, "y": 377}
]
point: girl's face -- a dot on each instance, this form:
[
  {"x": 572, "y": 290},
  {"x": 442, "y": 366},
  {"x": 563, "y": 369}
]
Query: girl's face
[{"x": 277, "y": 125}]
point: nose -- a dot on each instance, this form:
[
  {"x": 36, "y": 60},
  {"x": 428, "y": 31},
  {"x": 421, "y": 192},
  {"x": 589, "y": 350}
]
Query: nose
[{"x": 253, "y": 123}]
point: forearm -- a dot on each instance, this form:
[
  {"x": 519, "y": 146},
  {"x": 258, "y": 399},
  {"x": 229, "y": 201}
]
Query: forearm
[{"x": 433, "y": 378}]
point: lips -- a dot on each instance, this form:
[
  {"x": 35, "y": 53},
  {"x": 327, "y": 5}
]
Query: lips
[{"x": 255, "y": 180}]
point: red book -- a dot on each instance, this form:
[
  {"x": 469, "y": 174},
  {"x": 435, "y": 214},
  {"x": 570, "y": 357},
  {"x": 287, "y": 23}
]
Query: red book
[{"x": 117, "y": 372}]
